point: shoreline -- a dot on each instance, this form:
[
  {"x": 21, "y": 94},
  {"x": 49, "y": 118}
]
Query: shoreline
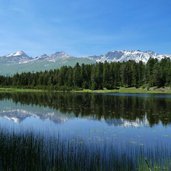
[{"x": 131, "y": 90}]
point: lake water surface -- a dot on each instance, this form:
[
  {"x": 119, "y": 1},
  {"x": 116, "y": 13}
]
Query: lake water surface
[{"x": 112, "y": 131}]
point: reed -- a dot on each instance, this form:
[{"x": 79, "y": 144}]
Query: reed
[{"x": 29, "y": 151}]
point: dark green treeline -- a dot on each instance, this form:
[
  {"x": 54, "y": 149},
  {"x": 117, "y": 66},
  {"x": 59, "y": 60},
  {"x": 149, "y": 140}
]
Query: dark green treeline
[{"x": 97, "y": 76}]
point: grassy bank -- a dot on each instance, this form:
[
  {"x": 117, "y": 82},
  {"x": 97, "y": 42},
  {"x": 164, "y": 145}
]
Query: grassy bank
[
  {"x": 131, "y": 90},
  {"x": 152, "y": 90},
  {"x": 26, "y": 90}
]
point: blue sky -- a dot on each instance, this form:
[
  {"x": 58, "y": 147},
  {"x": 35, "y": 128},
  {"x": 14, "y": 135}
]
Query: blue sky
[{"x": 84, "y": 27}]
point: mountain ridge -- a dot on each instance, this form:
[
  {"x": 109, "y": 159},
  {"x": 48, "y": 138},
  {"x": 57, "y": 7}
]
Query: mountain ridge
[
  {"x": 111, "y": 56},
  {"x": 19, "y": 61}
]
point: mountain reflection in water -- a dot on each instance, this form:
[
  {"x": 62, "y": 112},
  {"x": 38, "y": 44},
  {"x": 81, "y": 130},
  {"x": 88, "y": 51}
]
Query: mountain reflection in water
[{"x": 126, "y": 110}]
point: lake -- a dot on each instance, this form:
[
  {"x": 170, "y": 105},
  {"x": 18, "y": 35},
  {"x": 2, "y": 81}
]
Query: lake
[{"x": 72, "y": 131}]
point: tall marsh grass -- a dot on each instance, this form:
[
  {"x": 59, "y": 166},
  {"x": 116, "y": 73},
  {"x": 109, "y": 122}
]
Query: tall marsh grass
[{"x": 30, "y": 152}]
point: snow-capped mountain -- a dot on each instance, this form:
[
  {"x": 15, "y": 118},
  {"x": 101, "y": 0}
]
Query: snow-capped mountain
[
  {"x": 111, "y": 56},
  {"x": 20, "y": 62},
  {"x": 18, "y": 54},
  {"x": 54, "y": 57},
  {"x": 16, "y": 57},
  {"x": 125, "y": 55},
  {"x": 21, "y": 57}
]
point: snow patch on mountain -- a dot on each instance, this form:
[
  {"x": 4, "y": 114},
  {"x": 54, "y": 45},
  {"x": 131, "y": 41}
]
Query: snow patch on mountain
[
  {"x": 126, "y": 55},
  {"x": 18, "y": 53}
]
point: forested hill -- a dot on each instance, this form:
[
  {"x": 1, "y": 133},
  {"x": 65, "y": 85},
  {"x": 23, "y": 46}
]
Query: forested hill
[{"x": 97, "y": 76}]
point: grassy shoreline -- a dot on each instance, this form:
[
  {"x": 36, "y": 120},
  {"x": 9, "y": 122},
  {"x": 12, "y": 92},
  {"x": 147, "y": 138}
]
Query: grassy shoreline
[{"x": 133, "y": 90}]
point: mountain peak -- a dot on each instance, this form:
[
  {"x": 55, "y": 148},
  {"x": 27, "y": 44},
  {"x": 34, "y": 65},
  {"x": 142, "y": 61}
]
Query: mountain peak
[
  {"x": 59, "y": 54},
  {"x": 18, "y": 53}
]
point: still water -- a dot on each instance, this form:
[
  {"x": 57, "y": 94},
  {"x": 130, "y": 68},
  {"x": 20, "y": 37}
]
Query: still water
[{"x": 113, "y": 131}]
